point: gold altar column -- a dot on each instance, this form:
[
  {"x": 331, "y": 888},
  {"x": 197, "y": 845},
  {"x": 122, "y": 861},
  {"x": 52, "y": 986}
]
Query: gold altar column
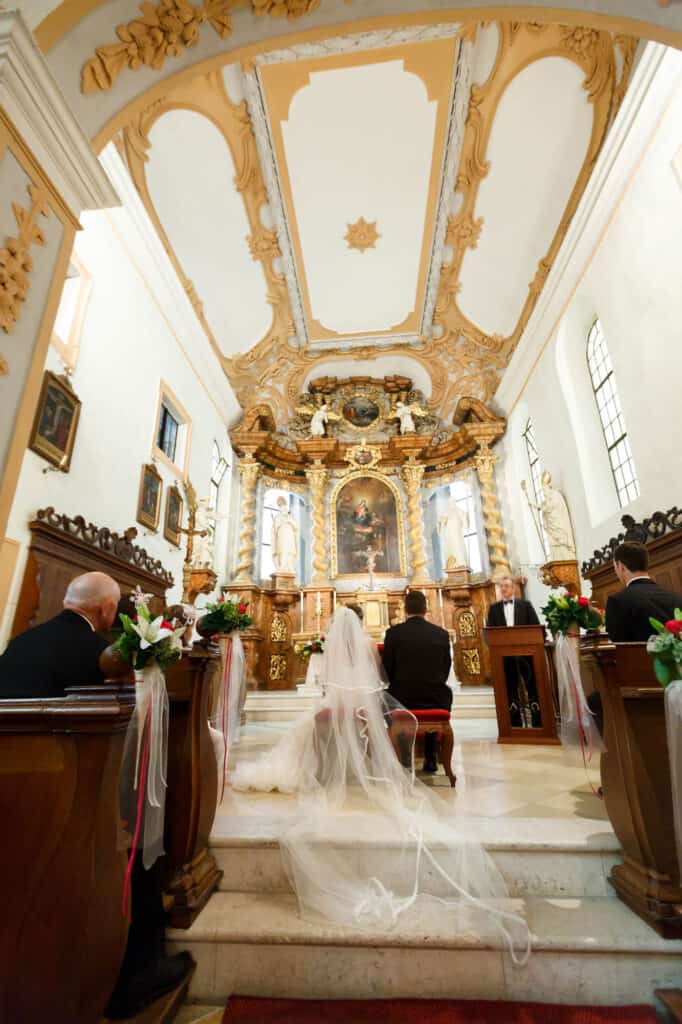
[
  {"x": 412, "y": 474},
  {"x": 248, "y": 477},
  {"x": 484, "y": 461},
  {"x": 317, "y": 478}
]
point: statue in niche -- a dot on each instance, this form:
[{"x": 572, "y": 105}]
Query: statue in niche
[
  {"x": 284, "y": 539},
  {"x": 451, "y": 528},
  {"x": 554, "y": 515},
  {"x": 204, "y": 530},
  {"x": 405, "y": 414}
]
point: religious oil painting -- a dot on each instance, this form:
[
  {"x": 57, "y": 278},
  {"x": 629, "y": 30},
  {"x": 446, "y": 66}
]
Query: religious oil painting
[
  {"x": 173, "y": 517},
  {"x": 149, "y": 499},
  {"x": 367, "y": 528},
  {"x": 56, "y": 421},
  {"x": 360, "y": 411}
]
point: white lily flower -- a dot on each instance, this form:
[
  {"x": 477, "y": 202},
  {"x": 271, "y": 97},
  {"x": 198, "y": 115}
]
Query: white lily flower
[{"x": 151, "y": 632}]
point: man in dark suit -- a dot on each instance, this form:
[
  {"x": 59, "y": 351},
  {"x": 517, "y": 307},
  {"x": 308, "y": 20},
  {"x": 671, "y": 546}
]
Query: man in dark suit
[
  {"x": 65, "y": 650},
  {"x": 628, "y": 611},
  {"x": 511, "y": 611},
  {"x": 417, "y": 661},
  {"x": 522, "y": 692}
]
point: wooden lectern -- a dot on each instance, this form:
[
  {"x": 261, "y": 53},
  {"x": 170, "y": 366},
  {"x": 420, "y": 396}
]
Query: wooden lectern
[{"x": 526, "y": 643}]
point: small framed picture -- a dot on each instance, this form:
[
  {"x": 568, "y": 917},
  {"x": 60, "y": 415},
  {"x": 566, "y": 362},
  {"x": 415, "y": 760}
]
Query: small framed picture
[
  {"x": 56, "y": 421},
  {"x": 149, "y": 500},
  {"x": 173, "y": 517}
]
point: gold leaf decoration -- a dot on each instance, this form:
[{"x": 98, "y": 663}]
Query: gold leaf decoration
[
  {"x": 362, "y": 235},
  {"x": 290, "y": 9},
  {"x": 164, "y": 30},
  {"x": 16, "y": 262}
]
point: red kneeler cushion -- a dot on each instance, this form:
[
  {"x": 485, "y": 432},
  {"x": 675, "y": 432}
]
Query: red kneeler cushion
[{"x": 425, "y": 714}]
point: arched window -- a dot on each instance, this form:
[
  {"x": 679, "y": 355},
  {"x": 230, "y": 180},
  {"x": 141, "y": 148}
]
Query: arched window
[
  {"x": 535, "y": 467},
  {"x": 218, "y": 467},
  {"x": 611, "y": 416}
]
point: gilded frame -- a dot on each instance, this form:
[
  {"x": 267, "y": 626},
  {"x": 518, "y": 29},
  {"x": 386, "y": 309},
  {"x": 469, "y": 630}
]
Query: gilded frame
[
  {"x": 359, "y": 474},
  {"x": 150, "y": 521},
  {"x": 171, "y": 534},
  {"x": 58, "y": 455}
]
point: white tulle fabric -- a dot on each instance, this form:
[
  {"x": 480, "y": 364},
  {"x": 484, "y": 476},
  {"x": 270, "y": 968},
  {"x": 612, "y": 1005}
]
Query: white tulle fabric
[
  {"x": 578, "y": 727},
  {"x": 225, "y": 724},
  {"x": 350, "y": 784},
  {"x": 673, "y": 726},
  {"x": 144, "y": 764}
]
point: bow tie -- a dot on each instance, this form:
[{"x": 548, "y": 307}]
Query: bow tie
[{"x": 510, "y": 601}]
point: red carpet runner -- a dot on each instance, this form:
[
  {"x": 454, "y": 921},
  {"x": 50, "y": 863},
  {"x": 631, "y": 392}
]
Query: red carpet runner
[{"x": 245, "y": 1010}]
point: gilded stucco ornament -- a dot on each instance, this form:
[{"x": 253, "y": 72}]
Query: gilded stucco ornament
[
  {"x": 163, "y": 30},
  {"x": 16, "y": 262},
  {"x": 362, "y": 235},
  {"x": 291, "y": 9}
]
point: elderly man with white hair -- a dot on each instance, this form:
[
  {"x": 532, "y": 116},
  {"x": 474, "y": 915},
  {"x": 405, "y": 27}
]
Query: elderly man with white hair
[{"x": 65, "y": 650}]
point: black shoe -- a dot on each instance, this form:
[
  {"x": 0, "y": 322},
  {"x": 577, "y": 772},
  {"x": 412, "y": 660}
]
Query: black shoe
[
  {"x": 431, "y": 767},
  {"x": 134, "y": 994}
]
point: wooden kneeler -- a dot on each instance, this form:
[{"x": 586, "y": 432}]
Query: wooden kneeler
[{"x": 428, "y": 720}]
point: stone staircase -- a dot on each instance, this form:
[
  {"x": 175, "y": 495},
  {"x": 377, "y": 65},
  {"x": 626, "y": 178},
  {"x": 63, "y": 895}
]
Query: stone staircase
[
  {"x": 587, "y": 947},
  {"x": 287, "y": 705}
]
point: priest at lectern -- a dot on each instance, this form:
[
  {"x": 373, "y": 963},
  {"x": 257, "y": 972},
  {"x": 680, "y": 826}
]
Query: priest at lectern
[{"x": 522, "y": 692}]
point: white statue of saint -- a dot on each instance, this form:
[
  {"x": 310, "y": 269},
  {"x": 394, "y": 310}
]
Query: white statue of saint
[
  {"x": 204, "y": 518},
  {"x": 284, "y": 539},
  {"x": 320, "y": 418},
  {"x": 556, "y": 520},
  {"x": 406, "y": 413},
  {"x": 451, "y": 527}
]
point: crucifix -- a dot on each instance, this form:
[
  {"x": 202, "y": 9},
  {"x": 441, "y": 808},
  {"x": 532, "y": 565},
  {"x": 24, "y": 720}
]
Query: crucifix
[{"x": 371, "y": 554}]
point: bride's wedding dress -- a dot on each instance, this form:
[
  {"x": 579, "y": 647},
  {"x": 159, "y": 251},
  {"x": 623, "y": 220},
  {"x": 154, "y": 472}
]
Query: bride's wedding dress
[{"x": 368, "y": 841}]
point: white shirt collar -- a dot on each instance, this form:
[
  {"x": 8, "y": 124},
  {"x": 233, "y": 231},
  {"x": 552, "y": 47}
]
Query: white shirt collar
[
  {"x": 637, "y": 578},
  {"x": 84, "y": 617}
]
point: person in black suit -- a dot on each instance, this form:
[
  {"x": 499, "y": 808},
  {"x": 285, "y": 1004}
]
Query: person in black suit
[
  {"x": 417, "y": 661},
  {"x": 65, "y": 650},
  {"x": 628, "y": 611},
  {"x": 524, "y": 707}
]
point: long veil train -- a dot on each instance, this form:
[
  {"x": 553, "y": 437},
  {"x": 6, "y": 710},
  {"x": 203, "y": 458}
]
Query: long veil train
[{"x": 350, "y": 784}]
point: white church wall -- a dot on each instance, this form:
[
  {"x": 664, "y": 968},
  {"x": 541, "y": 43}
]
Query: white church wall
[
  {"x": 128, "y": 346},
  {"x": 632, "y": 284}
]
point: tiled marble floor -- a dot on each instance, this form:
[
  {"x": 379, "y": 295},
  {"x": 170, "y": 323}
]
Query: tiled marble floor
[{"x": 493, "y": 781}]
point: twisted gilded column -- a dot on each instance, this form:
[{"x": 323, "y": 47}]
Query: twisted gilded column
[
  {"x": 412, "y": 474},
  {"x": 485, "y": 467},
  {"x": 248, "y": 477},
  {"x": 317, "y": 479}
]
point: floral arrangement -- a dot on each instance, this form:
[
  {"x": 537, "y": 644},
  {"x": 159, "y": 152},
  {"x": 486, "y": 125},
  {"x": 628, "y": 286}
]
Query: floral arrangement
[
  {"x": 145, "y": 639},
  {"x": 314, "y": 646},
  {"x": 666, "y": 648},
  {"x": 564, "y": 611},
  {"x": 224, "y": 616}
]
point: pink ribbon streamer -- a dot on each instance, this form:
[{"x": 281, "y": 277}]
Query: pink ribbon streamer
[
  {"x": 226, "y": 694},
  {"x": 138, "y": 821}
]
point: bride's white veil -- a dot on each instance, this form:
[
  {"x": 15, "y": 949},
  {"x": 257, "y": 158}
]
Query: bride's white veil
[{"x": 368, "y": 840}]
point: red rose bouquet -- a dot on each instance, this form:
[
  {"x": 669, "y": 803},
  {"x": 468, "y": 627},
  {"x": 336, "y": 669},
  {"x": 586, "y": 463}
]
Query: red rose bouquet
[
  {"x": 562, "y": 611},
  {"x": 666, "y": 647}
]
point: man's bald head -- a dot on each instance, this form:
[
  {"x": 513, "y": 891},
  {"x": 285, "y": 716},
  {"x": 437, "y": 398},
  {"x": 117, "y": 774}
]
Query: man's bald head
[{"x": 95, "y": 595}]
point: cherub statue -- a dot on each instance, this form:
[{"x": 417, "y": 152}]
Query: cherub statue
[
  {"x": 320, "y": 416},
  {"x": 405, "y": 414}
]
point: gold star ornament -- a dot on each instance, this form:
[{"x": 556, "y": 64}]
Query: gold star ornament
[{"x": 362, "y": 235}]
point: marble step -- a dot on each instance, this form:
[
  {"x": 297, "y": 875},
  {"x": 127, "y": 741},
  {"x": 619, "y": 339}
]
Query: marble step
[
  {"x": 575, "y": 863},
  {"x": 287, "y": 705},
  {"x": 584, "y": 951}
]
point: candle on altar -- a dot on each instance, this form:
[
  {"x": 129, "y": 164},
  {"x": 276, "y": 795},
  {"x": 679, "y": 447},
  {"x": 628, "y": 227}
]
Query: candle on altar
[
  {"x": 440, "y": 604},
  {"x": 318, "y": 610},
  {"x": 333, "y": 601},
  {"x": 301, "y": 630}
]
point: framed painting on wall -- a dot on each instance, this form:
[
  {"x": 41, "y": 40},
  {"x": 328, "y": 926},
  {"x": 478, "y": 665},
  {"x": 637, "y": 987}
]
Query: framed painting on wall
[
  {"x": 173, "y": 517},
  {"x": 366, "y": 514},
  {"x": 56, "y": 421},
  {"x": 149, "y": 498}
]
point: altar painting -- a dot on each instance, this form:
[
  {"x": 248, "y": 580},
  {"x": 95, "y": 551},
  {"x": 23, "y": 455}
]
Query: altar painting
[{"x": 366, "y": 517}]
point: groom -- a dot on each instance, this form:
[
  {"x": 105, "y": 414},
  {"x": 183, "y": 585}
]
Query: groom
[{"x": 417, "y": 660}]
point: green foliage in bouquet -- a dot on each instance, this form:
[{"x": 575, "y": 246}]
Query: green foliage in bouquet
[
  {"x": 314, "y": 646},
  {"x": 562, "y": 611},
  {"x": 146, "y": 638},
  {"x": 224, "y": 616},
  {"x": 666, "y": 647}
]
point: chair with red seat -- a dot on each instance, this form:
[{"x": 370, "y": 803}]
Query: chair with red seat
[{"x": 428, "y": 720}]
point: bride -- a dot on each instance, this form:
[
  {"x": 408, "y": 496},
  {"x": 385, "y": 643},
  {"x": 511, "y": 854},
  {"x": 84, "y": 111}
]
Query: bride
[{"x": 340, "y": 762}]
